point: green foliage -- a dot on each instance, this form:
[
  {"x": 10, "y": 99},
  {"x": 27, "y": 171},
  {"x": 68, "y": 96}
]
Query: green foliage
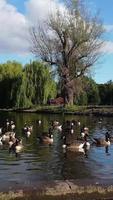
[
  {"x": 25, "y": 87},
  {"x": 82, "y": 99},
  {"x": 10, "y": 77},
  {"x": 39, "y": 84},
  {"x": 22, "y": 100},
  {"x": 106, "y": 93},
  {"x": 92, "y": 92},
  {"x": 33, "y": 85},
  {"x": 88, "y": 93}
]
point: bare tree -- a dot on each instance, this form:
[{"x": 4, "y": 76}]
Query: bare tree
[{"x": 70, "y": 40}]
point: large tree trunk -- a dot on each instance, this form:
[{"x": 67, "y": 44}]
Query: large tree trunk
[
  {"x": 68, "y": 94},
  {"x": 68, "y": 87}
]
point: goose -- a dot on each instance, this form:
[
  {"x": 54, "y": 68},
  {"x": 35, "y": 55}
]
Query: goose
[
  {"x": 102, "y": 141},
  {"x": 27, "y": 130},
  {"x": 59, "y": 127},
  {"x": 73, "y": 122},
  {"x": 12, "y": 126},
  {"x": 71, "y": 130},
  {"x": 24, "y": 129},
  {"x": 77, "y": 146},
  {"x": 16, "y": 147},
  {"x": 68, "y": 127},
  {"x": 30, "y": 128},
  {"x": 86, "y": 128},
  {"x": 84, "y": 132},
  {"x": 11, "y": 142},
  {"x": 7, "y": 123},
  {"x": 78, "y": 123},
  {"x": 6, "y": 137},
  {"x": 46, "y": 138},
  {"x": 56, "y": 125},
  {"x": 39, "y": 122},
  {"x": 28, "y": 133},
  {"x": 100, "y": 121}
]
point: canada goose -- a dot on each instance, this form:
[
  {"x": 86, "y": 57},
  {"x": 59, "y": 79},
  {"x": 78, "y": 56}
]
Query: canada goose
[
  {"x": 71, "y": 130},
  {"x": 59, "y": 127},
  {"x": 6, "y": 137},
  {"x": 11, "y": 141},
  {"x": 68, "y": 127},
  {"x": 16, "y": 147},
  {"x": 55, "y": 123},
  {"x": 28, "y": 133},
  {"x": 7, "y": 124},
  {"x": 30, "y": 128},
  {"x": 12, "y": 126},
  {"x": 100, "y": 121},
  {"x": 27, "y": 130},
  {"x": 84, "y": 132},
  {"x": 24, "y": 129},
  {"x": 46, "y": 138},
  {"x": 78, "y": 123},
  {"x": 77, "y": 146},
  {"x": 39, "y": 122},
  {"x": 102, "y": 141}
]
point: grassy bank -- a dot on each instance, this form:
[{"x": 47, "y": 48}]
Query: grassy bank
[
  {"x": 72, "y": 110},
  {"x": 75, "y": 110}
]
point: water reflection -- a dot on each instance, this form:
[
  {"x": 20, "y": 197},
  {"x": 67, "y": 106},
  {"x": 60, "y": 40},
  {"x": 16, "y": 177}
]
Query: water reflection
[{"x": 44, "y": 162}]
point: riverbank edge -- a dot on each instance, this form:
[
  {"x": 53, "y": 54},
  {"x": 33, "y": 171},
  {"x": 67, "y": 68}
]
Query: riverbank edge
[
  {"x": 61, "y": 190},
  {"x": 81, "y": 110}
]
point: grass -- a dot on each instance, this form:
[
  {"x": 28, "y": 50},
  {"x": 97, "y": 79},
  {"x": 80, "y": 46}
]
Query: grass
[{"x": 58, "y": 109}]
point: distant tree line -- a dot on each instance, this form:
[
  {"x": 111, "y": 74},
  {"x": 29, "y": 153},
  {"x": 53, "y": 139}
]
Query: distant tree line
[
  {"x": 95, "y": 94},
  {"x": 33, "y": 84}
]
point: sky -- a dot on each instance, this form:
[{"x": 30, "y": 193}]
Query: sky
[{"x": 17, "y": 15}]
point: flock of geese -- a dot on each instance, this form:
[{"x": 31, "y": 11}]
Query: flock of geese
[
  {"x": 69, "y": 140},
  {"x": 8, "y": 137}
]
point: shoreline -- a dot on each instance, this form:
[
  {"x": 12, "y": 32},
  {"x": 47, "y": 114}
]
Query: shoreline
[
  {"x": 106, "y": 111},
  {"x": 68, "y": 189}
]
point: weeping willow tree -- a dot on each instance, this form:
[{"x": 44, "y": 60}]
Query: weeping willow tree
[
  {"x": 39, "y": 83},
  {"x": 22, "y": 101},
  {"x": 25, "y": 87},
  {"x": 70, "y": 40},
  {"x": 10, "y": 79}
]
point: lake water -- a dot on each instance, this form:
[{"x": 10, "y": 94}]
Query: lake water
[{"x": 40, "y": 162}]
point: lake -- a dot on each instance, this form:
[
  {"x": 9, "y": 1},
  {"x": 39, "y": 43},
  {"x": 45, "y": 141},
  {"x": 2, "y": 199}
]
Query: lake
[{"x": 39, "y": 162}]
